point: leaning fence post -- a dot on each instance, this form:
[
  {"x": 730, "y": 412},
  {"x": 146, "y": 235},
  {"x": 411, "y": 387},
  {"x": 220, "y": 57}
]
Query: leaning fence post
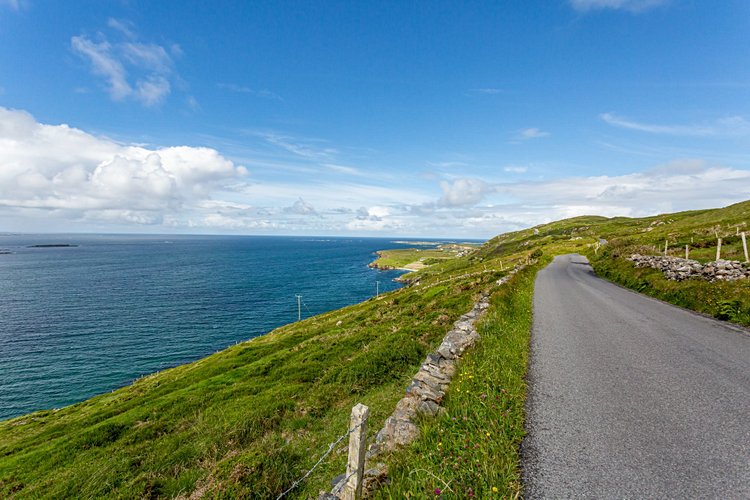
[
  {"x": 744, "y": 246},
  {"x": 355, "y": 467}
]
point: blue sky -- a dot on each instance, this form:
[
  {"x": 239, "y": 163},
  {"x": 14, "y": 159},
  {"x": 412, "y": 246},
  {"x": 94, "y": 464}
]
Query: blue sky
[{"x": 370, "y": 118}]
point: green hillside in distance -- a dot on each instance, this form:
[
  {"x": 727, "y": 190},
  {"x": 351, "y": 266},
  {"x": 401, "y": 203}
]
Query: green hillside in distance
[{"x": 250, "y": 420}]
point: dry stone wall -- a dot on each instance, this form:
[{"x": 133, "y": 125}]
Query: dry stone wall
[
  {"x": 424, "y": 395},
  {"x": 678, "y": 269}
]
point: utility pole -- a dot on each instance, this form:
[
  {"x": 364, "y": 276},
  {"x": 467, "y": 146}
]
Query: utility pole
[
  {"x": 299, "y": 306},
  {"x": 377, "y": 289}
]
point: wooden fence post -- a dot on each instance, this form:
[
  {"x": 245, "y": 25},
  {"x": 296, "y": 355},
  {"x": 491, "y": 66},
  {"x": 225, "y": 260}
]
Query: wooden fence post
[
  {"x": 744, "y": 246},
  {"x": 666, "y": 246},
  {"x": 687, "y": 252},
  {"x": 718, "y": 250},
  {"x": 355, "y": 467}
]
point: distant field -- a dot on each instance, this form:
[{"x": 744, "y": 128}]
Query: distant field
[{"x": 415, "y": 259}]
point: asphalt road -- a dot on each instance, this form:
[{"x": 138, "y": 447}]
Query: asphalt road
[{"x": 630, "y": 397}]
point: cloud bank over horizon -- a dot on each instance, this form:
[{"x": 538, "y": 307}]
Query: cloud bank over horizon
[{"x": 57, "y": 177}]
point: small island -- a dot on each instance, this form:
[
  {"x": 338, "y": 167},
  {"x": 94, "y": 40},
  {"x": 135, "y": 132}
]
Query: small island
[{"x": 52, "y": 245}]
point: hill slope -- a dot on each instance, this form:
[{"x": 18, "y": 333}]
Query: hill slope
[{"x": 250, "y": 420}]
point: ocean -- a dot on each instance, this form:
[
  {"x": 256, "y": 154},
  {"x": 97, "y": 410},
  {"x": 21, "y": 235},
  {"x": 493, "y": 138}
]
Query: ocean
[{"x": 82, "y": 320}]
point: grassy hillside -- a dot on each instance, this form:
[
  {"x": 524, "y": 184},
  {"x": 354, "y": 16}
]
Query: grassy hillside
[
  {"x": 699, "y": 229},
  {"x": 472, "y": 450},
  {"x": 248, "y": 421}
]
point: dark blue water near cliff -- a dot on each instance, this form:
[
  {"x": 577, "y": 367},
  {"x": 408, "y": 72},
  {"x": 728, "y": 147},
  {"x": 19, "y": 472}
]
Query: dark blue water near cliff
[{"x": 79, "y": 321}]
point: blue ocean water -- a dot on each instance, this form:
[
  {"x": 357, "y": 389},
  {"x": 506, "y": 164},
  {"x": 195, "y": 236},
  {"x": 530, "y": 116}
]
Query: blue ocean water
[{"x": 80, "y": 321}]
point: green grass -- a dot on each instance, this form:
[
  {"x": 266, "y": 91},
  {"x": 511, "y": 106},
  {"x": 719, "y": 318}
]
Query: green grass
[
  {"x": 401, "y": 257},
  {"x": 473, "y": 448},
  {"x": 244, "y": 422},
  {"x": 248, "y": 421},
  {"x": 699, "y": 229},
  {"x": 728, "y": 301}
]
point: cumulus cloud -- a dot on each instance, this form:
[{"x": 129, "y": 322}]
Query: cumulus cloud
[
  {"x": 729, "y": 126},
  {"x": 375, "y": 218},
  {"x": 130, "y": 69},
  {"x": 629, "y": 5},
  {"x": 678, "y": 185},
  {"x": 62, "y": 178},
  {"x": 61, "y": 168},
  {"x": 301, "y": 207},
  {"x": 471, "y": 207},
  {"x": 462, "y": 192}
]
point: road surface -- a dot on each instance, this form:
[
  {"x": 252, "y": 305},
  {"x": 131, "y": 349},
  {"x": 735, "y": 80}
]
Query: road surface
[{"x": 630, "y": 397}]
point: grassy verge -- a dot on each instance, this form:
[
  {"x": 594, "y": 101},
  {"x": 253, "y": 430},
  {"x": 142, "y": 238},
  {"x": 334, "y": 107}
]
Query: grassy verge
[
  {"x": 473, "y": 449},
  {"x": 245, "y": 422},
  {"x": 723, "y": 300}
]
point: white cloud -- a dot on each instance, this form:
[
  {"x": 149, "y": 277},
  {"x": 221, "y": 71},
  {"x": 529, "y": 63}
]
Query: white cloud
[
  {"x": 301, "y": 207},
  {"x": 515, "y": 169},
  {"x": 729, "y": 126},
  {"x": 447, "y": 164},
  {"x": 678, "y": 185},
  {"x": 487, "y": 91},
  {"x": 104, "y": 64},
  {"x": 123, "y": 26},
  {"x": 462, "y": 192},
  {"x": 153, "y": 90},
  {"x": 130, "y": 69},
  {"x": 485, "y": 208},
  {"x": 629, "y": 5},
  {"x": 148, "y": 56},
  {"x": 307, "y": 149},
  {"x": 375, "y": 218},
  {"x": 241, "y": 89},
  {"x": 56, "y": 177},
  {"x": 60, "y": 168},
  {"x": 530, "y": 133},
  {"x": 343, "y": 169}
]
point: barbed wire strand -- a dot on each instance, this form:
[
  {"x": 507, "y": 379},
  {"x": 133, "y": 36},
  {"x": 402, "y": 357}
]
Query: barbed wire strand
[
  {"x": 343, "y": 482},
  {"x": 322, "y": 457}
]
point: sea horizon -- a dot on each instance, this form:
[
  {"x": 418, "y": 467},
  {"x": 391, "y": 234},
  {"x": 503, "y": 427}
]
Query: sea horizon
[{"x": 85, "y": 319}]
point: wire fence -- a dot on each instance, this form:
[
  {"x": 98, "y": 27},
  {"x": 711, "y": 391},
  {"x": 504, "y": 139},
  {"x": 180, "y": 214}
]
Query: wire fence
[{"x": 330, "y": 449}]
